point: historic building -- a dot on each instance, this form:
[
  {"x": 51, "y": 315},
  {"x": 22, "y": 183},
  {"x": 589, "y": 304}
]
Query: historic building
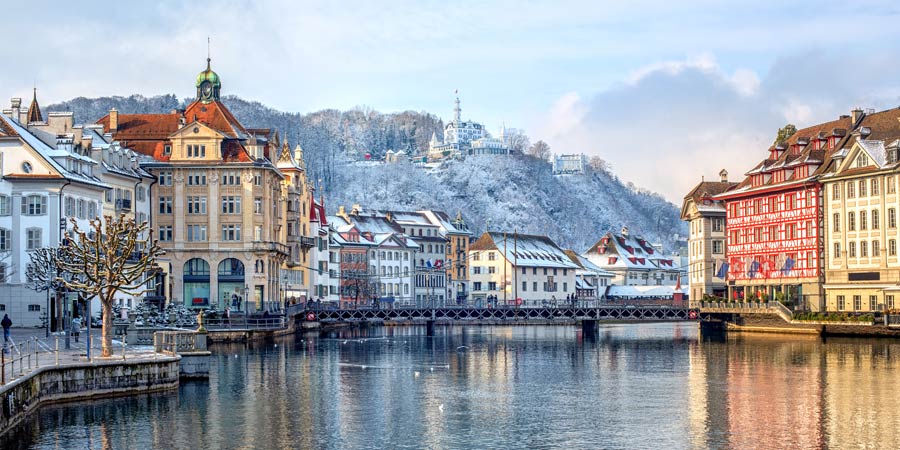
[
  {"x": 861, "y": 204},
  {"x": 462, "y": 138},
  {"x": 774, "y": 218},
  {"x": 634, "y": 261},
  {"x": 40, "y": 181},
  {"x": 511, "y": 266},
  {"x": 591, "y": 281},
  {"x": 706, "y": 239},
  {"x": 574, "y": 164},
  {"x": 456, "y": 235},
  {"x": 357, "y": 287},
  {"x": 297, "y": 234},
  {"x": 218, "y": 202}
]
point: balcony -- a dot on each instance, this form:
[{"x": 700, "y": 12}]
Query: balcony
[
  {"x": 272, "y": 247},
  {"x": 123, "y": 204},
  {"x": 307, "y": 242}
]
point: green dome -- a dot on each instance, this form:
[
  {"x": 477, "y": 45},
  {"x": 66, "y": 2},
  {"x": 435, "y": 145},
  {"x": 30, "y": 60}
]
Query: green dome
[{"x": 208, "y": 75}]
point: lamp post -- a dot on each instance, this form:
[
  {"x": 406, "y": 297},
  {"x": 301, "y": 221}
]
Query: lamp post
[{"x": 246, "y": 298}]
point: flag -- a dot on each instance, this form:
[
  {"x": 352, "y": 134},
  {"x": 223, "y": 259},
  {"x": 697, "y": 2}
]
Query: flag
[
  {"x": 754, "y": 268},
  {"x": 723, "y": 270},
  {"x": 428, "y": 263},
  {"x": 788, "y": 266}
]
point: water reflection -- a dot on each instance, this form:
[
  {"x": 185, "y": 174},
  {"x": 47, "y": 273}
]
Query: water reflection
[{"x": 646, "y": 386}]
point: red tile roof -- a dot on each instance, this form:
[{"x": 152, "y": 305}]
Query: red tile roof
[
  {"x": 216, "y": 116},
  {"x": 133, "y": 127}
]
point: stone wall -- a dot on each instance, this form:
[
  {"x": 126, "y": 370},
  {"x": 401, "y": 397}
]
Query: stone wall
[{"x": 82, "y": 381}]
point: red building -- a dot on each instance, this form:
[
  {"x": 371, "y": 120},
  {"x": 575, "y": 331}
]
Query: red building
[
  {"x": 356, "y": 287},
  {"x": 774, "y": 218}
]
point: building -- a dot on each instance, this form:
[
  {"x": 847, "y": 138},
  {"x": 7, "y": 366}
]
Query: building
[
  {"x": 357, "y": 287},
  {"x": 456, "y": 234},
  {"x": 511, "y": 266},
  {"x": 706, "y": 240},
  {"x": 774, "y": 217},
  {"x": 327, "y": 271},
  {"x": 634, "y": 261},
  {"x": 591, "y": 281},
  {"x": 463, "y": 138},
  {"x": 42, "y": 187},
  {"x": 296, "y": 277},
  {"x": 861, "y": 203},
  {"x": 218, "y": 203},
  {"x": 574, "y": 164}
]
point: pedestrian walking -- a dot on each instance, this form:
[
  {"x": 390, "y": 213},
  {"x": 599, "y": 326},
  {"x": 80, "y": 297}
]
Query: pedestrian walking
[
  {"x": 7, "y": 323},
  {"x": 76, "y": 327}
]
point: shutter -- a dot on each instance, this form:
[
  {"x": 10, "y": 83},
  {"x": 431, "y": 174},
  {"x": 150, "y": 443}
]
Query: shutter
[
  {"x": 43, "y": 205},
  {"x": 24, "y": 206}
]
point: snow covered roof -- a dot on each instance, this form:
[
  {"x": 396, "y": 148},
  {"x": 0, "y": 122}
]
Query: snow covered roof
[
  {"x": 524, "y": 250},
  {"x": 587, "y": 266},
  {"x": 622, "y": 251}
]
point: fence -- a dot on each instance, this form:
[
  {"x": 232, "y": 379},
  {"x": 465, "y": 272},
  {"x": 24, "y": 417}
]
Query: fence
[
  {"x": 24, "y": 357},
  {"x": 244, "y": 323},
  {"x": 484, "y": 303},
  {"x": 174, "y": 342}
]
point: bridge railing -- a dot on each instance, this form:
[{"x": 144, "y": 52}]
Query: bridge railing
[{"x": 300, "y": 308}]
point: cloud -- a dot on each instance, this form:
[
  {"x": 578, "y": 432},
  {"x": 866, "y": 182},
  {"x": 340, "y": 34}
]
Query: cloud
[{"x": 671, "y": 123}]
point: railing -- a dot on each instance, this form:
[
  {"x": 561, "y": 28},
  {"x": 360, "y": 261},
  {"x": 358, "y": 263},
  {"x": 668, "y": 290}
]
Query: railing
[
  {"x": 483, "y": 303},
  {"x": 123, "y": 204},
  {"x": 751, "y": 307},
  {"x": 174, "y": 342},
  {"x": 307, "y": 242},
  {"x": 272, "y": 246},
  {"x": 244, "y": 323},
  {"x": 27, "y": 357},
  {"x": 784, "y": 312}
]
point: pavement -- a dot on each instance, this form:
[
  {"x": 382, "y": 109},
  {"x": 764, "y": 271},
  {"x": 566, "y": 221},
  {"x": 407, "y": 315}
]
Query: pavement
[{"x": 33, "y": 349}]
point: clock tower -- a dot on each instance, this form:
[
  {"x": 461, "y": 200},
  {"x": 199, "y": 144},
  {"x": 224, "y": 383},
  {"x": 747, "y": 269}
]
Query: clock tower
[{"x": 208, "y": 85}]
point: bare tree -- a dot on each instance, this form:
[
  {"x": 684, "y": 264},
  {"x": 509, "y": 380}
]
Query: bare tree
[
  {"x": 111, "y": 258},
  {"x": 599, "y": 164},
  {"x": 518, "y": 142},
  {"x": 540, "y": 150}
]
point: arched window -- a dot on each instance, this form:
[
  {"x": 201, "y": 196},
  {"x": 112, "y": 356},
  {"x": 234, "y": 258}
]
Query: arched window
[
  {"x": 232, "y": 286},
  {"x": 196, "y": 283}
]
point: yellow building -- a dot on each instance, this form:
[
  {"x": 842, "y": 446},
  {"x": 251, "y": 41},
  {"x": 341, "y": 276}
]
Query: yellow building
[{"x": 706, "y": 242}]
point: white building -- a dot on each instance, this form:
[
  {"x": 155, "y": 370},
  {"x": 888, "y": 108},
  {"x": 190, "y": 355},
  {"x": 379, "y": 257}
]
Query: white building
[
  {"x": 326, "y": 277},
  {"x": 462, "y": 138},
  {"x": 634, "y": 261},
  {"x": 512, "y": 266},
  {"x": 37, "y": 181},
  {"x": 591, "y": 281},
  {"x": 574, "y": 164}
]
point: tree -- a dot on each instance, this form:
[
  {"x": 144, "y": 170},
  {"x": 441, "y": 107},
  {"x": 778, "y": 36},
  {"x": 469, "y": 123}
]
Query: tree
[
  {"x": 111, "y": 258},
  {"x": 42, "y": 273},
  {"x": 540, "y": 150},
  {"x": 518, "y": 141},
  {"x": 599, "y": 164}
]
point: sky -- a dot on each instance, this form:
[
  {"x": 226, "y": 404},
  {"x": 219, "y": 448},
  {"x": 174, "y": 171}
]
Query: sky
[{"x": 666, "y": 92}]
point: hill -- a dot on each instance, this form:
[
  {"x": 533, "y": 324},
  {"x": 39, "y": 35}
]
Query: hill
[{"x": 500, "y": 192}]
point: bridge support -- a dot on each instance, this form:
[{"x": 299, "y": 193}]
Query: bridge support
[
  {"x": 712, "y": 328},
  {"x": 429, "y": 328},
  {"x": 589, "y": 327}
]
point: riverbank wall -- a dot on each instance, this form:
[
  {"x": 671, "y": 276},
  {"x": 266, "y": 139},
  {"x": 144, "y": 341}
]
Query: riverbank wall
[
  {"x": 758, "y": 323},
  {"x": 81, "y": 381}
]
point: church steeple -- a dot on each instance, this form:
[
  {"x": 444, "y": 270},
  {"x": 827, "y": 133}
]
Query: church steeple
[
  {"x": 457, "y": 111},
  {"x": 298, "y": 156},
  {"x": 208, "y": 84},
  {"x": 34, "y": 111}
]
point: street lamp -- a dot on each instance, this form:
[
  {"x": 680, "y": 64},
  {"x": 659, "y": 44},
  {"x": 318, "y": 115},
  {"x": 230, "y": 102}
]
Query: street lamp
[{"x": 246, "y": 298}]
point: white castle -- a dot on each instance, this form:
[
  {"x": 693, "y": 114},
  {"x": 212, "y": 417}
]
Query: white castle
[{"x": 466, "y": 138}]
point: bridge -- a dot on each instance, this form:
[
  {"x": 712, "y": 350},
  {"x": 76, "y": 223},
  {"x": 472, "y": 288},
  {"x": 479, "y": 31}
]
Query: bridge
[{"x": 588, "y": 314}]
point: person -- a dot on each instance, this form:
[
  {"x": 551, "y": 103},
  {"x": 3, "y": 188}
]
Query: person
[
  {"x": 7, "y": 323},
  {"x": 76, "y": 327},
  {"x": 228, "y": 315}
]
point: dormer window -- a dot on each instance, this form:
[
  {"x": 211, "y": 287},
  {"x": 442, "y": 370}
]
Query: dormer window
[
  {"x": 862, "y": 161},
  {"x": 167, "y": 150},
  {"x": 196, "y": 151}
]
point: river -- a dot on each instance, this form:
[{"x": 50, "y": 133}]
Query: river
[{"x": 632, "y": 386}]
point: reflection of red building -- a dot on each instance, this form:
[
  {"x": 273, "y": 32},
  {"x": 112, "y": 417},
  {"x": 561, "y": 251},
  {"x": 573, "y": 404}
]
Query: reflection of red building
[
  {"x": 356, "y": 285},
  {"x": 774, "y": 218}
]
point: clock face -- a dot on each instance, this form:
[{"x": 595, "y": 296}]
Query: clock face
[{"x": 206, "y": 89}]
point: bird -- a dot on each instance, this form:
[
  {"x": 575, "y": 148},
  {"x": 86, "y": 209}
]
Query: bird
[
  {"x": 235, "y": 355},
  {"x": 432, "y": 369},
  {"x": 441, "y": 407}
]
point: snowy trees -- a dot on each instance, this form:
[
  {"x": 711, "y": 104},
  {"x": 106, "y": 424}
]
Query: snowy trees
[
  {"x": 599, "y": 164},
  {"x": 110, "y": 258},
  {"x": 540, "y": 150}
]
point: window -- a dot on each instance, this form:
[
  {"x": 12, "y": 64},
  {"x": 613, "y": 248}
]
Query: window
[
  {"x": 476, "y": 270},
  {"x": 196, "y": 204},
  {"x": 534, "y": 286},
  {"x": 257, "y": 180},
  {"x": 873, "y": 302},
  {"x": 196, "y": 233},
  {"x": 231, "y": 178},
  {"x": 862, "y": 161},
  {"x": 840, "y": 302},
  {"x": 70, "y": 207},
  {"x": 231, "y": 232},
  {"x": 837, "y": 249},
  {"x": 524, "y": 286},
  {"x": 876, "y": 249},
  {"x": 836, "y": 191},
  {"x": 5, "y": 239},
  {"x": 875, "y": 220},
  {"x": 851, "y": 221},
  {"x": 862, "y": 188},
  {"x": 165, "y": 205},
  {"x": 258, "y": 234},
  {"x": 82, "y": 211},
  {"x": 167, "y": 150},
  {"x": 889, "y": 185},
  {"x": 476, "y": 285},
  {"x": 892, "y": 247},
  {"x": 165, "y": 233},
  {"x": 196, "y": 151},
  {"x": 33, "y": 236},
  {"x": 257, "y": 205},
  {"x": 92, "y": 210},
  {"x": 863, "y": 223},
  {"x": 524, "y": 271},
  {"x": 718, "y": 247},
  {"x": 492, "y": 285},
  {"x": 857, "y": 302},
  {"x": 4, "y": 205},
  {"x": 475, "y": 257},
  {"x": 874, "y": 186},
  {"x": 892, "y": 218},
  {"x": 851, "y": 249},
  {"x": 851, "y": 190},
  {"x": 34, "y": 205},
  {"x": 141, "y": 193},
  {"x": 165, "y": 178},
  {"x": 863, "y": 249},
  {"x": 836, "y": 222},
  {"x": 492, "y": 269},
  {"x": 196, "y": 178},
  {"x": 231, "y": 204},
  {"x": 492, "y": 256},
  {"x": 889, "y": 299},
  {"x": 34, "y": 308},
  {"x": 717, "y": 224}
]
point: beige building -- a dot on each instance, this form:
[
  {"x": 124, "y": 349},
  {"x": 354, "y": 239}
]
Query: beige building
[
  {"x": 706, "y": 240},
  {"x": 861, "y": 205},
  {"x": 511, "y": 265},
  {"x": 218, "y": 206}
]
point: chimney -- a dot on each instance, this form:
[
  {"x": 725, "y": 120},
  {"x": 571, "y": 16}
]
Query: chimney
[
  {"x": 355, "y": 210},
  {"x": 723, "y": 175},
  {"x": 113, "y": 120},
  {"x": 625, "y": 231},
  {"x": 855, "y": 116},
  {"x": 16, "y": 108}
]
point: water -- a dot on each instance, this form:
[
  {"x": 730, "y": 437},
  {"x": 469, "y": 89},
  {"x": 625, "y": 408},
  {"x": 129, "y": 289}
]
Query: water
[{"x": 634, "y": 386}]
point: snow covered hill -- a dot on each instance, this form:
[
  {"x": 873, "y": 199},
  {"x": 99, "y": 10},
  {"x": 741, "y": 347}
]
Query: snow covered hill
[{"x": 501, "y": 193}]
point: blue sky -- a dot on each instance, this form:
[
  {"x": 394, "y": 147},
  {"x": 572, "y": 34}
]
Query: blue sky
[{"x": 667, "y": 92}]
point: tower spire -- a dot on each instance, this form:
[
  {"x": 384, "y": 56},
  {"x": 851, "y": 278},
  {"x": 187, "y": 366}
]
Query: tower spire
[
  {"x": 208, "y": 59},
  {"x": 34, "y": 111},
  {"x": 457, "y": 110}
]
